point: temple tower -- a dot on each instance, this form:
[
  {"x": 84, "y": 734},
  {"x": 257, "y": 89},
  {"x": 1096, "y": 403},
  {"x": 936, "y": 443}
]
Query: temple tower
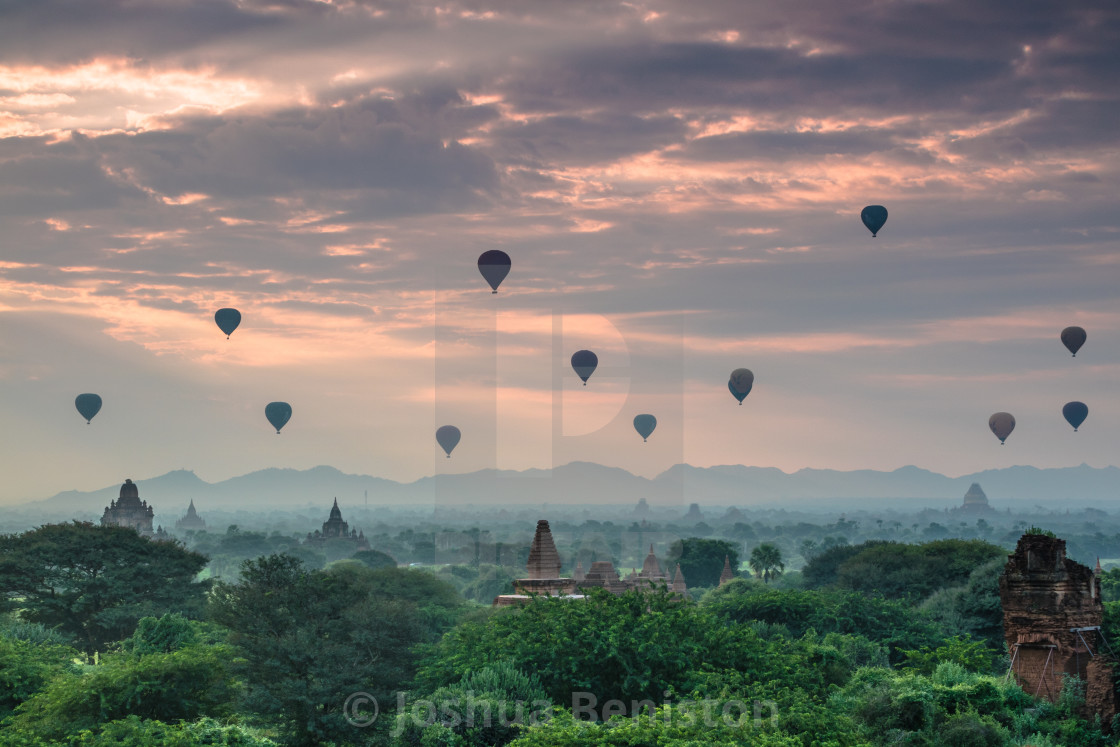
[
  {"x": 1052, "y": 616},
  {"x": 129, "y": 511}
]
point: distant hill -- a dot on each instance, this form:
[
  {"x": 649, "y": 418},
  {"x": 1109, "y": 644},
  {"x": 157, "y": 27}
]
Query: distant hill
[{"x": 584, "y": 483}]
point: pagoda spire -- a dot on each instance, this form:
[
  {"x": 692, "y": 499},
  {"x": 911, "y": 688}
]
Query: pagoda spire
[{"x": 727, "y": 574}]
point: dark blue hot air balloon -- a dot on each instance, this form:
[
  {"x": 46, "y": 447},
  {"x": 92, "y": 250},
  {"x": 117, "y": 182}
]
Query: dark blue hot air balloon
[
  {"x": 873, "y": 216},
  {"x": 644, "y": 425},
  {"x": 584, "y": 363},
  {"x": 278, "y": 413},
  {"x": 88, "y": 405},
  {"x": 1002, "y": 423},
  {"x": 1073, "y": 338},
  {"x": 494, "y": 266},
  {"x": 227, "y": 320},
  {"x": 740, "y": 383},
  {"x": 1075, "y": 414},
  {"x": 447, "y": 436}
]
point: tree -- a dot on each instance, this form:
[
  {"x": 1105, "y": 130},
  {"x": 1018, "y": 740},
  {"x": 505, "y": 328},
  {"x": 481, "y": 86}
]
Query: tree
[
  {"x": 702, "y": 559},
  {"x": 374, "y": 559},
  {"x": 766, "y": 561},
  {"x": 889, "y": 622},
  {"x": 26, "y": 667},
  {"x": 94, "y": 583},
  {"x": 183, "y": 684},
  {"x": 309, "y": 639}
]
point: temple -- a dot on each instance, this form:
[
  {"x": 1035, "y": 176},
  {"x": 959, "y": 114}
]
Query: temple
[
  {"x": 543, "y": 575},
  {"x": 335, "y": 529},
  {"x": 191, "y": 522},
  {"x": 1052, "y": 614},
  {"x": 975, "y": 502},
  {"x": 727, "y": 573},
  {"x": 129, "y": 511}
]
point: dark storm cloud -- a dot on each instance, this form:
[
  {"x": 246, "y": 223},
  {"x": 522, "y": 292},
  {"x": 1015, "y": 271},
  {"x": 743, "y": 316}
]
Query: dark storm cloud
[
  {"x": 655, "y": 76},
  {"x": 69, "y": 31},
  {"x": 762, "y": 144},
  {"x": 46, "y": 182},
  {"x": 1059, "y": 125},
  {"x": 575, "y": 140},
  {"x": 346, "y": 148}
]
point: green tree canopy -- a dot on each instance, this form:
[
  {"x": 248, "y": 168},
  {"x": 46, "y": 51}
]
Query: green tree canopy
[
  {"x": 94, "y": 583},
  {"x": 896, "y": 569},
  {"x": 309, "y": 639},
  {"x": 766, "y": 561},
  {"x": 701, "y": 559},
  {"x": 889, "y": 622}
]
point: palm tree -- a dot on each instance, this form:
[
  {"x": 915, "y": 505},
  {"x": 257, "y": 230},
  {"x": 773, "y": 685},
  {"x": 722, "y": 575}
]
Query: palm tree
[{"x": 766, "y": 561}]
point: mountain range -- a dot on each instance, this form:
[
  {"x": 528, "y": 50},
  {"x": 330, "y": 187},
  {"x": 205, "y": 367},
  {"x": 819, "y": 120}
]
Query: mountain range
[{"x": 585, "y": 483}]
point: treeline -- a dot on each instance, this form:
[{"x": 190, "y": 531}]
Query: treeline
[{"x": 110, "y": 639}]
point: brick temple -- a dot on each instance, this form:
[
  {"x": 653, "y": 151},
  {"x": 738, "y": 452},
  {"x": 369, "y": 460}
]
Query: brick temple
[
  {"x": 543, "y": 575},
  {"x": 1052, "y": 614}
]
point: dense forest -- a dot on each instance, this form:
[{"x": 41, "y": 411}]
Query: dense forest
[{"x": 832, "y": 634}]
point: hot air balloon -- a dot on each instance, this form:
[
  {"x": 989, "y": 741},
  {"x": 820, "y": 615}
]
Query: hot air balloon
[
  {"x": 873, "y": 216},
  {"x": 447, "y": 436},
  {"x": 584, "y": 363},
  {"x": 1073, "y": 338},
  {"x": 278, "y": 413},
  {"x": 1002, "y": 423},
  {"x": 740, "y": 383},
  {"x": 644, "y": 425},
  {"x": 1075, "y": 414},
  {"x": 227, "y": 320},
  {"x": 494, "y": 266},
  {"x": 88, "y": 405}
]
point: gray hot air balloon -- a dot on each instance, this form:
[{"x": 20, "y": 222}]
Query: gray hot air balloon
[
  {"x": 873, "y": 216},
  {"x": 447, "y": 436},
  {"x": 1073, "y": 338},
  {"x": 88, "y": 405},
  {"x": 494, "y": 266},
  {"x": 227, "y": 320},
  {"x": 1002, "y": 423},
  {"x": 584, "y": 363},
  {"x": 1075, "y": 414},
  {"x": 740, "y": 383},
  {"x": 644, "y": 425},
  {"x": 278, "y": 413}
]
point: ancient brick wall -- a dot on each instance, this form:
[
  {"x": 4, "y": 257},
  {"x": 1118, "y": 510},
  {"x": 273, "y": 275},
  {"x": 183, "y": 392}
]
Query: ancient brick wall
[{"x": 1052, "y": 614}]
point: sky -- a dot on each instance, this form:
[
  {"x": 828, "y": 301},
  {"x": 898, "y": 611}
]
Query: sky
[{"x": 678, "y": 185}]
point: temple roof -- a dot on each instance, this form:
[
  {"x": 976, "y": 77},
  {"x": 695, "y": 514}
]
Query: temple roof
[
  {"x": 727, "y": 574},
  {"x": 544, "y": 561},
  {"x": 975, "y": 495},
  {"x": 651, "y": 568}
]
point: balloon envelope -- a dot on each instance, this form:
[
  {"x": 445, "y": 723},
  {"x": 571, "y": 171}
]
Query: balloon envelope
[
  {"x": 740, "y": 383},
  {"x": 644, "y": 425},
  {"x": 1075, "y": 414},
  {"x": 1002, "y": 423},
  {"x": 584, "y": 363},
  {"x": 1073, "y": 338},
  {"x": 227, "y": 320},
  {"x": 278, "y": 413},
  {"x": 88, "y": 405},
  {"x": 447, "y": 436},
  {"x": 873, "y": 216},
  {"x": 494, "y": 266}
]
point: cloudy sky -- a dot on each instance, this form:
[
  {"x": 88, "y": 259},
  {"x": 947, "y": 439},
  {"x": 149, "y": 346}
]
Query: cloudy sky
[{"x": 678, "y": 185}]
